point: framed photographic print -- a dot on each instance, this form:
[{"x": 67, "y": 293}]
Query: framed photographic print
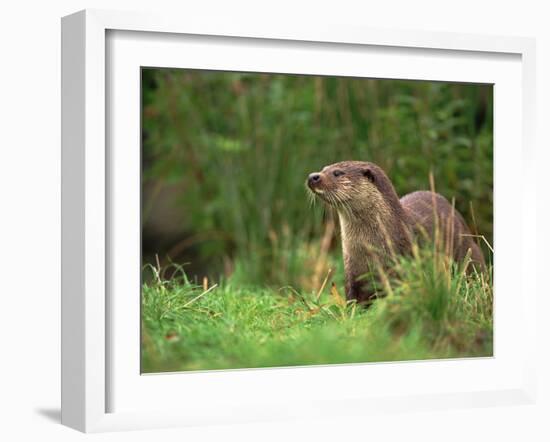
[{"x": 267, "y": 222}]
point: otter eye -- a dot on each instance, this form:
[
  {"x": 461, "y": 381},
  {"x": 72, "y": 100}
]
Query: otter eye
[
  {"x": 368, "y": 174},
  {"x": 338, "y": 173}
]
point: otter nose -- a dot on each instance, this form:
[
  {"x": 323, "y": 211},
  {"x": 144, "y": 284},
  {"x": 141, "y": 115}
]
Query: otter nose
[{"x": 313, "y": 178}]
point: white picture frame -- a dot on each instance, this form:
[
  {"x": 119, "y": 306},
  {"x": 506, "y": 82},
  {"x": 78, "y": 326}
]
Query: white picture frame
[{"x": 91, "y": 327}]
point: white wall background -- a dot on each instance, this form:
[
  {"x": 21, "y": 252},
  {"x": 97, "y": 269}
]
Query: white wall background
[{"x": 30, "y": 215}]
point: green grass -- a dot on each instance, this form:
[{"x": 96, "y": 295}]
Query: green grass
[{"x": 430, "y": 309}]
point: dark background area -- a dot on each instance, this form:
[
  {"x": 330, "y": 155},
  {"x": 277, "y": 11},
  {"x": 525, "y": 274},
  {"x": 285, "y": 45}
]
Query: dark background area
[{"x": 225, "y": 157}]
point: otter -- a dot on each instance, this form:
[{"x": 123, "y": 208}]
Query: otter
[{"x": 375, "y": 224}]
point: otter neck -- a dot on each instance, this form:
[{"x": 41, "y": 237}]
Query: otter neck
[{"x": 368, "y": 234}]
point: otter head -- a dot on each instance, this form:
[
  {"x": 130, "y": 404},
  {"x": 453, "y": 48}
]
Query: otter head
[{"x": 356, "y": 188}]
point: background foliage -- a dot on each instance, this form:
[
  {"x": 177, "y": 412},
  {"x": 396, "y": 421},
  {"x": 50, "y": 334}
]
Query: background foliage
[{"x": 225, "y": 157}]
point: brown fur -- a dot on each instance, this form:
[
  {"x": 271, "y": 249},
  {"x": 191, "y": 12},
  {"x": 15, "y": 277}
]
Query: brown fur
[{"x": 375, "y": 224}]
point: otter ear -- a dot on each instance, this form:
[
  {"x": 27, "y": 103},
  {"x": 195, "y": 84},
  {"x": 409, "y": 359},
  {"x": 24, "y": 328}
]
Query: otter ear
[{"x": 368, "y": 173}]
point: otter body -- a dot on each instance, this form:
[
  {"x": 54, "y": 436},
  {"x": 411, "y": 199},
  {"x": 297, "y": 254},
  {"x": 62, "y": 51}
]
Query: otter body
[{"x": 376, "y": 225}]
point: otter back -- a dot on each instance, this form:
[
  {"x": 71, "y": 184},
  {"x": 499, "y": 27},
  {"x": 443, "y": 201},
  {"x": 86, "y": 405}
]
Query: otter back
[{"x": 431, "y": 214}]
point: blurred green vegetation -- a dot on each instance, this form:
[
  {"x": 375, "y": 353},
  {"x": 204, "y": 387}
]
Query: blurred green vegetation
[{"x": 225, "y": 157}]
